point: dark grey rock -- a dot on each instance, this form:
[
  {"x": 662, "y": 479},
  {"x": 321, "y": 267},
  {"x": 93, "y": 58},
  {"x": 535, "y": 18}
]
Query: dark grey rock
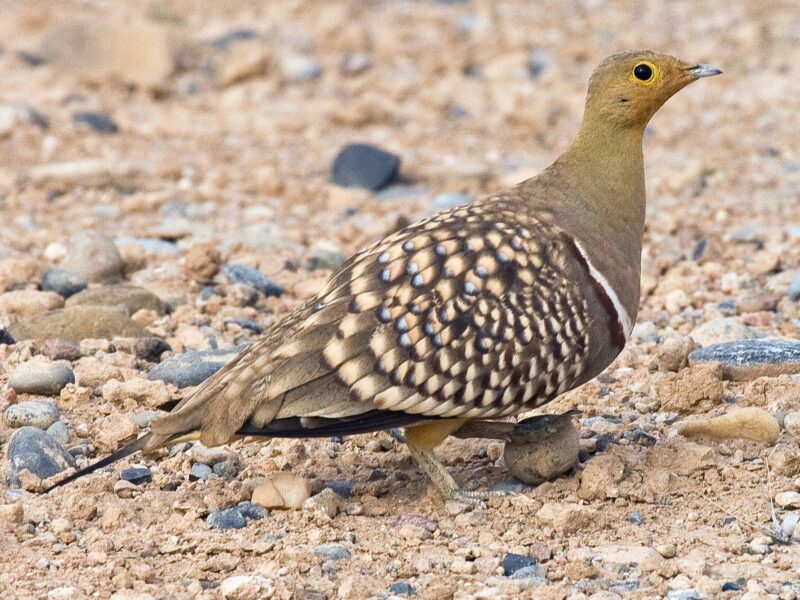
[
  {"x": 227, "y": 469},
  {"x": 332, "y": 551},
  {"x": 240, "y": 34},
  {"x": 744, "y": 360},
  {"x": 56, "y": 349},
  {"x": 5, "y": 336},
  {"x": 150, "y": 348},
  {"x": 245, "y": 324},
  {"x": 34, "y": 413},
  {"x": 254, "y": 278},
  {"x": 41, "y": 377},
  {"x": 228, "y": 518},
  {"x": 62, "y": 282},
  {"x": 32, "y": 449},
  {"x": 252, "y": 511},
  {"x": 364, "y": 166},
  {"x": 59, "y": 432},
  {"x": 402, "y": 588},
  {"x": 794, "y": 289},
  {"x": 343, "y": 487},
  {"x": 635, "y": 517},
  {"x": 192, "y": 368},
  {"x": 514, "y": 562},
  {"x": 98, "y": 121},
  {"x": 136, "y": 475},
  {"x": 200, "y": 472},
  {"x": 538, "y": 61}
]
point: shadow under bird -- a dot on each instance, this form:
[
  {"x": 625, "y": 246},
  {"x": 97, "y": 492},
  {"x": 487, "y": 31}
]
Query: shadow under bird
[{"x": 477, "y": 313}]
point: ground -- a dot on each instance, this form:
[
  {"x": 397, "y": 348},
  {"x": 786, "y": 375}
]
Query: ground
[{"x": 228, "y": 118}]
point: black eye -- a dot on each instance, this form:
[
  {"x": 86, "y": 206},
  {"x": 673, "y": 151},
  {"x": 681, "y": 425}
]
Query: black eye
[{"x": 643, "y": 72}]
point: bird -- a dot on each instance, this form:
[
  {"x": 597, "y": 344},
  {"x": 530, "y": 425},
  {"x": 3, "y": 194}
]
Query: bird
[{"x": 474, "y": 315}]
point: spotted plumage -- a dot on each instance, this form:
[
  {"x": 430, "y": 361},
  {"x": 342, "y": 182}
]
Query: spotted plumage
[{"x": 479, "y": 312}]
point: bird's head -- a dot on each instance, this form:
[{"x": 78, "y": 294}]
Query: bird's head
[{"x": 628, "y": 88}]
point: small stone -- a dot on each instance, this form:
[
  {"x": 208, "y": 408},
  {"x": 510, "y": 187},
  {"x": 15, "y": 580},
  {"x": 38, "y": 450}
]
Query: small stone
[
  {"x": 210, "y": 456},
  {"x": 789, "y": 523},
  {"x": 785, "y": 460},
  {"x": 644, "y": 558},
  {"x": 794, "y": 289},
  {"x": 791, "y": 423},
  {"x": 298, "y": 68},
  {"x": 284, "y": 490},
  {"x": 673, "y": 353},
  {"x": 62, "y": 282},
  {"x": 750, "y": 359},
  {"x": 326, "y": 259},
  {"x": 229, "y": 518},
  {"x": 687, "y": 594},
  {"x": 201, "y": 262},
  {"x": 246, "y": 587},
  {"x": 200, "y": 472},
  {"x": 342, "y": 487},
  {"x": 113, "y": 430},
  {"x": 354, "y": 63},
  {"x": 93, "y": 257},
  {"x": 59, "y": 432},
  {"x": 227, "y": 469},
  {"x": 97, "y": 121},
  {"x": 332, "y": 551},
  {"x": 143, "y": 419},
  {"x": 760, "y": 545},
  {"x": 402, "y": 588},
  {"x": 32, "y": 450},
  {"x": 60, "y": 350},
  {"x": 326, "y": 502},
  {"x": 635, "y": 517},
  {"x": 364, "y": 166},
  {"x": 193, "y": 368},
  {"x": 249, "y": 276},
  {"x": 542, "y": 448},
  {"x": 78, "y": 323},
  {"x": 514, "y": 562},
  {"x": 750, "y": 423},
  {"x": 142, "y": 391},
  {"x": 34, "y": 413},
  {"x": 568, "y": 518},
  {"x": 252, "y": 511},
  {"x": 730, "y": 586},
  {"x": 11, "y": 513},
  {"x": 41, "y": 377},
  {"x": 695, "y": 389},
  {"x": 27, "y": 304},
  {"x": 666, "y": 550},
  {"x": 243, "y": 61},
  {"x": 726, "y": 329},
  {"x": 148, "y": 348},
  {"x": 130, "y": 297},
  {"x": 447, "y": 201},
  {"x": 788, "y": 499},
  {"x": 90, "y": 173},
  {"x": 136, "y": 475}
]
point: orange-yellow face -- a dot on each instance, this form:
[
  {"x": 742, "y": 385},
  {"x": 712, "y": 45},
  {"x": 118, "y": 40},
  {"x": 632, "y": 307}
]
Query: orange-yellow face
[{"x": 628, "y": 88}]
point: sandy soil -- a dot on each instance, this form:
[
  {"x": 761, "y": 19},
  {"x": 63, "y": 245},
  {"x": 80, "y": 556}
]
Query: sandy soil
[{"x": 232, "y": 143}]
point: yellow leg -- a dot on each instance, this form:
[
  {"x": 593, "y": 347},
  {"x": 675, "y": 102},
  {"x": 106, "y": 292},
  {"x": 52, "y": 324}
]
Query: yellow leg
[{"x": 421, "y": 441}]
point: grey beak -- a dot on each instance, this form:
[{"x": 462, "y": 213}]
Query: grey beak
[{"x": 703, "y": 71}]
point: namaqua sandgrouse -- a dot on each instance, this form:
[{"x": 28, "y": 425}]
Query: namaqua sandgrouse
[{"x": 479, "y": 312}]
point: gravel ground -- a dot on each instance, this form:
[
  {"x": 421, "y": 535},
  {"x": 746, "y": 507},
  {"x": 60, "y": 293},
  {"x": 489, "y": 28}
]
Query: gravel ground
[{"x": 176, "y": 159}]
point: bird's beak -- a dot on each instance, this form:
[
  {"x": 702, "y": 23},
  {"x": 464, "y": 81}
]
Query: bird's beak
[{"x": 699, "y": 71}]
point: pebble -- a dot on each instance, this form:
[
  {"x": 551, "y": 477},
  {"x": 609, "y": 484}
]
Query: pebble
[
  {"x": 326, "y": 259},
  {"x": 136, "y": 475},
  {"x": 210, "y": 456},
  {"x": 695, "y": 389},
  {"x": 200, "y": 472},
  {"x": 760, "y": 545},
  {"x": 246, "y": 587},
  {"x": 26, "y": 304},
  {"x": 143, "y": 419},
  {"x": 750, "y": 359},
  {"x": 725, "y": 329},
  {"x": 298, "y": 68},
  {"x": 201, "y": 262},
  {"x": 568, "y": 517},
  {"x": 252, "y": 511},
  {"x": 113, "y": 430},
  {"x": 688, "y": 594},
  {"x": 283, "y": 490},
  {"x": 789, "y": 523},
  {"x": 142, "y": 391},
  {"x": 34, "y": 413},
  {"x": 97, "y": 121},
  {"x": 332, "y": 551},
  {"x": 56, "y": 349},
  {"x": 788, "y": 499},
  {"x": 514, "y": 562},
  {"x": 635, "y": 517},
  {"x": 32, "y": 449},
  {"x": 227, "y": 469},
  {"x": 93, "y": 257},
  {"x": 78, "y": 323},
  {"x": 235, "y": 517},
  {"x": 237, "y": 273},
  {"x": 750, "y": 423},
  {"x": 149, "y": 245},
  {"x": 5, "y": 336},
  {"x": 41, "y": 377},
  {"x": 62, "y": 282},
  {"x": 794, "y": 289},
  {"x": 542, "y": 448},
  {"x": 791, "y": 423},
  {"x": 673, "y": 352},
  {"x": 131, "y": 297},
  {"x": 59, "y": 432},
  {"x": 364, "y": 166},
  {"x": 192, "y": 368},
  {"x": 326, "y": 502},
  {"x": 666, "y": 550},
  {"x": 342, "y": 487},
  {"x": 402, "y": 588},
  {"x": 12, "y": 513}
]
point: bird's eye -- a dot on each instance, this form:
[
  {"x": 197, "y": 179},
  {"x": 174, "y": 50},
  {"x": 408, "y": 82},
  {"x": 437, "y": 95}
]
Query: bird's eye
[{"x": 643, "y": 72}]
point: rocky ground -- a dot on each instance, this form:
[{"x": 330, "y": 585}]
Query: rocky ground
[{"x": 167, "y": 189}]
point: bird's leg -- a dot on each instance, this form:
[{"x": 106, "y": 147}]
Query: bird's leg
[{"x": 420, "y": 441}]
